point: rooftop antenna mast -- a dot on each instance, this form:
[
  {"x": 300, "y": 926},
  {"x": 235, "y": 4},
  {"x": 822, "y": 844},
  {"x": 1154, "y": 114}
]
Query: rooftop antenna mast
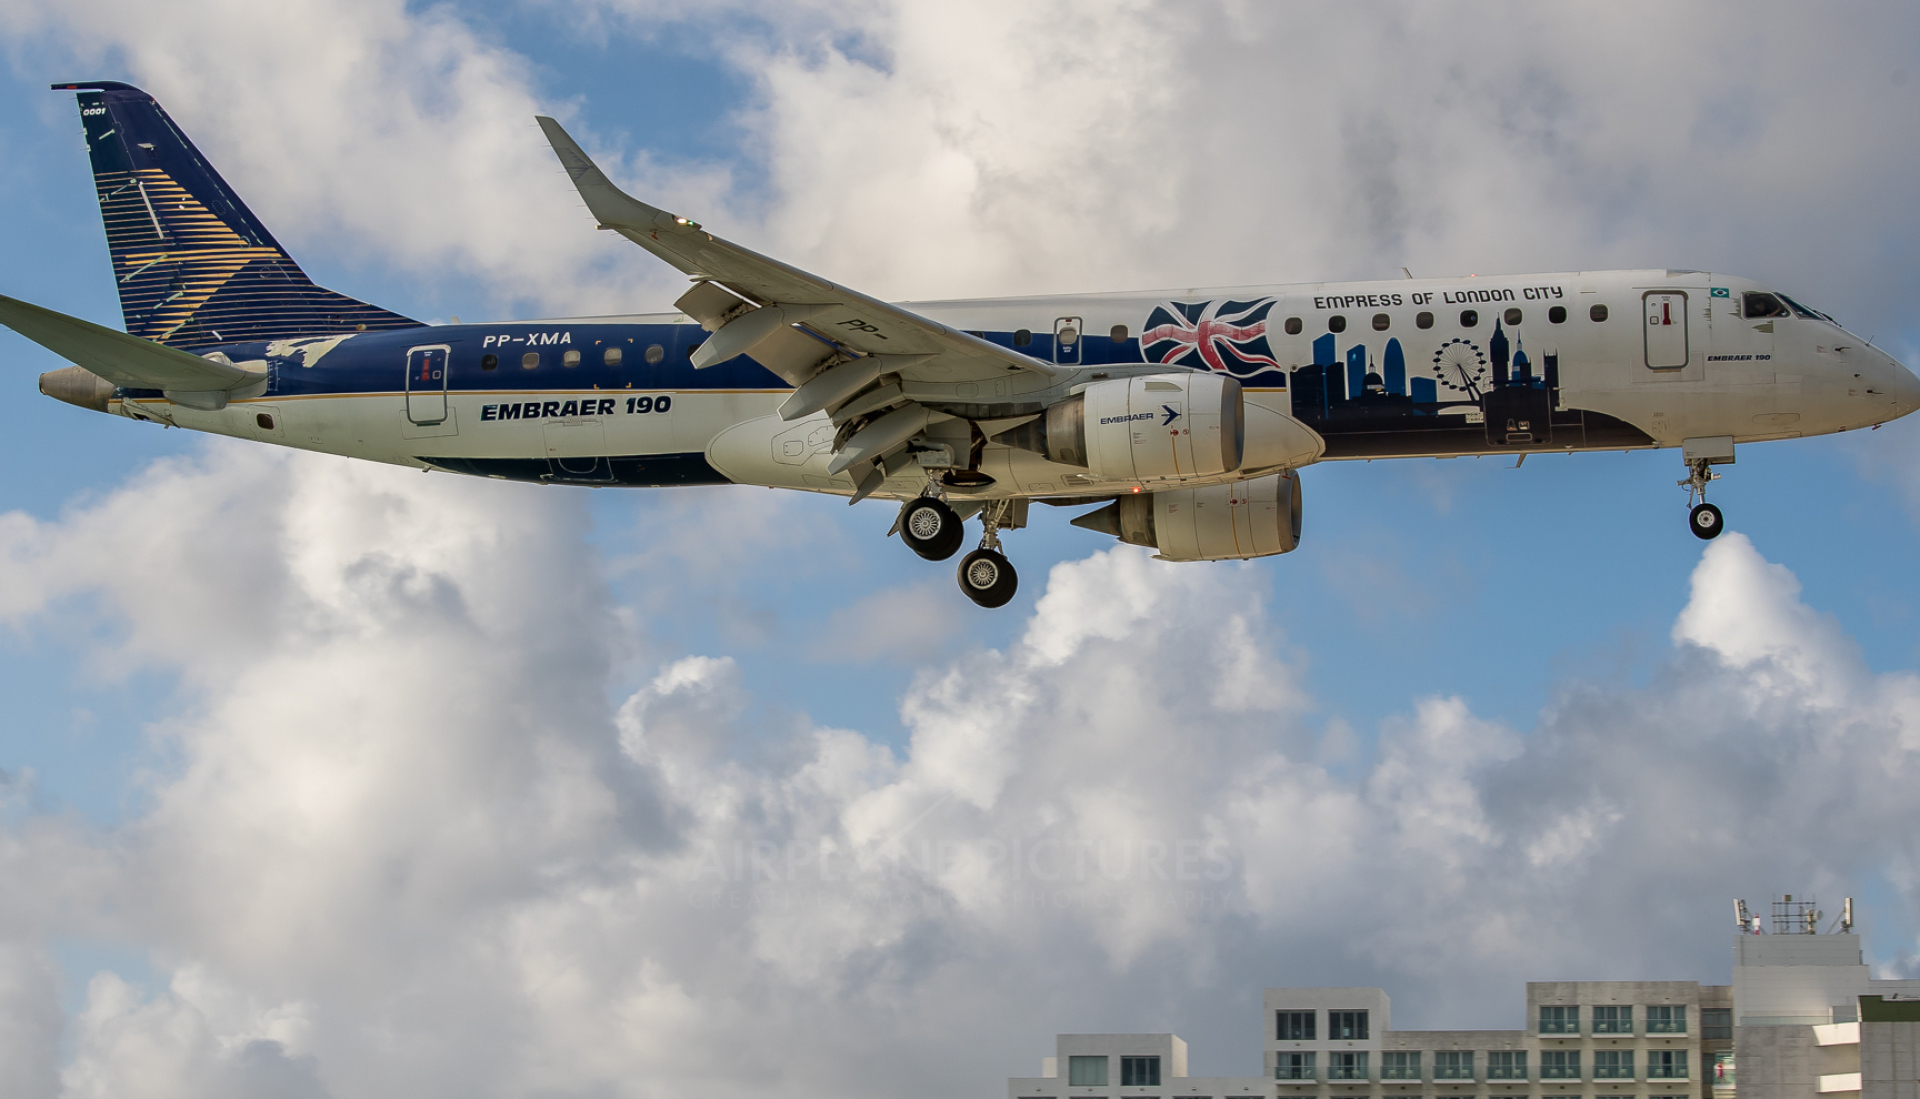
[
  {"x": 1791, "y": 917},
  {"x": 1846, "y": 918}
]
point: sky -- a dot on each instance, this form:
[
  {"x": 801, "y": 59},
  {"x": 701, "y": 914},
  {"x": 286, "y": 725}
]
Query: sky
[{"x": 320, "y": 778}]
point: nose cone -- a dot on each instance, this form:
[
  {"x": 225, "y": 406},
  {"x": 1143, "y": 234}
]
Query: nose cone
[{"x": 1906, "y": 391}]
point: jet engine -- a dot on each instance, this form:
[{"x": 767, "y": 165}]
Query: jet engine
[
  {"x": 1152, "y": 427},
  {"x": 1232, "y": 522}
]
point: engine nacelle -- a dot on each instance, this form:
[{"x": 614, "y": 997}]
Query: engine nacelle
[
  {"x": 1256, "y": 518},
  {"x": 1153, "y": 427}
]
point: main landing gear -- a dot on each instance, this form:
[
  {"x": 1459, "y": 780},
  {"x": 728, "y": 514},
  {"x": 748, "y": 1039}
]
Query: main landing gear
[
  {"x": 933, "y": 529},
  {"x": 985, "y": 574},
  {"x": 930, "y": 528},
  {"x": 1705, "y": 519}
]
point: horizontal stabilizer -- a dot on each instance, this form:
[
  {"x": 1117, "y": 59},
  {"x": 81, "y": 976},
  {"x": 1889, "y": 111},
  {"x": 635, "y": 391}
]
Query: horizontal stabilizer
[{"x": 119, "y": 358}]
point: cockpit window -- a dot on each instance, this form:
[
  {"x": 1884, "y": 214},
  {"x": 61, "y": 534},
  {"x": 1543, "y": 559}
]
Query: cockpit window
[
  {"x": 1755, "y": 304},
  {"x": 1810, "y": 314}
]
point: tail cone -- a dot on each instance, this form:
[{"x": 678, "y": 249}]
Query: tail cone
[{"x": 77, "y": 386}]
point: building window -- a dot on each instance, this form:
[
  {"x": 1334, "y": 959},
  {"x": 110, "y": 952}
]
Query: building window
[
  {"x": 1453, "y": 1064},
  {"x": 1294, "y": 326},
  {"x": 1347, "y": 1024},
  {"x": 1087, "y": 1072},
  {"x": 1400, "y": 1065},
  {"x": 1119, "y": 333},
  {"x": 1613, "y": 1064},
  {"x": 1507, "y": 1064},
  {"x": 1559, "y": 1064},
  {"x": 1336, "y": 323},
  {"x": 1382, "y": 322},
  {"x": 1559, "y": 1020},
  {"x": 1469, "y": 318},
  {"x": 612, "y": 356},
  {"x": 1139, "y": 1072},
  {"x": 1513, "y": 316},
  {"x": 1666, "y": 1064},
  {"x": 1667, "y": 1019},
  {"x": 1612, "y": 1019},
  {"x": 1716, "y": 1023},
  {"x": 1347, "y": 1066},
  {"x": 1423, "y": 320},
  {"x": 1598, "y": 313},
  {"x": 1293, "y": 1066},
  {"x": 1293, "y": 1026},
  {"x": 1022, "y": 337},
  {"x": 1557, "y": 315}
]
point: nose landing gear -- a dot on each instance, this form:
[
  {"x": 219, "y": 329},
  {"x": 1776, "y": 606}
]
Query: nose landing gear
[{"x": 1704, "y": 520}]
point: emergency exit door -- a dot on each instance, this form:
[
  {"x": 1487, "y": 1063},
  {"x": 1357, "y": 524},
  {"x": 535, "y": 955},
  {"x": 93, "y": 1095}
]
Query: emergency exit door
[
  {"x": 1666, "y": 329},
  {"x": 426, "y": 384}
]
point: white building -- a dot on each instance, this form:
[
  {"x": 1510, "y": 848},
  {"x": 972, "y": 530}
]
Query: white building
[{"x": 1802, "y": 1014}]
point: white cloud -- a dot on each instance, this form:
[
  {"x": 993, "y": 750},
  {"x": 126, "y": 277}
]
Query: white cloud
[{"x": 410, "y": 847}]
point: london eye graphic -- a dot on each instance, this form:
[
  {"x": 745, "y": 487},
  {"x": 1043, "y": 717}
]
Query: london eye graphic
[{"x": 1460, "y": 366}]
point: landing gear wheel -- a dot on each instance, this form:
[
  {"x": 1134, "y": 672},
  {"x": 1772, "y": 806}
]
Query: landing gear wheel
[
  {"x": 1705, "y": 521},
  {"x": 931, "y": 529},
  {"x": 988, "y": 578}
]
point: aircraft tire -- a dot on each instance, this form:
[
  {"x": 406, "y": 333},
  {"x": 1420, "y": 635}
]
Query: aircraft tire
[
  {"x": 988, "y": 578},
  {"x": 1706, "y": 521},
  {"x": 931, "y": 529}
]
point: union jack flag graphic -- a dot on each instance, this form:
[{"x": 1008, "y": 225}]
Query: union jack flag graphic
[{"x": 1230, "y": 337}]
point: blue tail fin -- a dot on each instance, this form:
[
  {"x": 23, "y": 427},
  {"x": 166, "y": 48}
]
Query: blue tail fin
[{"x": 195, "y": 267}]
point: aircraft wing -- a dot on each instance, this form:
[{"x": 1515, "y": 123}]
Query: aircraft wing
[
  {"x": 122, "y": 359},
  {"x": 787, "y": 316}
]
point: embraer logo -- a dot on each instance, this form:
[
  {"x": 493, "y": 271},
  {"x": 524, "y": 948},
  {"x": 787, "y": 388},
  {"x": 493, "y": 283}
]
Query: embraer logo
[
  {"x": 1171, "y": 415},
  {"x": 1127, "y": 419}
]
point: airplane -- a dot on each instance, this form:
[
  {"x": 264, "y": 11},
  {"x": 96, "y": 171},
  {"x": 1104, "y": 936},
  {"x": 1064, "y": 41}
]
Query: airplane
[{"x": 1181, "y": 419}]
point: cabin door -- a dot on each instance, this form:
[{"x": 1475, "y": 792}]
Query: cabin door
[
  {"x": 1665, "y": 329},
  {"x": 426, "y": 384}
]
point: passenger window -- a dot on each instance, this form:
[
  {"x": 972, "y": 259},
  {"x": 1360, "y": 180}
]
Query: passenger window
[
  {"x": 1755, "y": 304},
  {"x": 530, "y": 360},
  {"x": 1293, "y": 326},
  {"x": 612, "y": 357},
  {"x": 1381, "y": 321},
  {"x": 570, "y": 358},
  {"x": 489, "y": 361},
  {"x": 1598, "y": 313},
  {"x": 1336, "y": 323},
  {"x": 1423, "y": 320},
  {"x": 1022, "y": 337},
  {"x": 655, "y": 353},
  {"x": 1119, "y": 333},
  {"x": 1557, "y": 315},
  {"x": 1513, "y": 316},
  {"x": 1469, "y": 318}
]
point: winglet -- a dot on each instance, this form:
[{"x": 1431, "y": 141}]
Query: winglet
[{"x": 611, "y": 206}]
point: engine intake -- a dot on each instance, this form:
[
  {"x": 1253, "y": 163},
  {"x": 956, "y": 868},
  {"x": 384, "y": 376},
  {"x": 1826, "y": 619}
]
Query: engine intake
[
  {"x": 1154, "y": 427},
  {"x": 1254, "y": 518}
]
